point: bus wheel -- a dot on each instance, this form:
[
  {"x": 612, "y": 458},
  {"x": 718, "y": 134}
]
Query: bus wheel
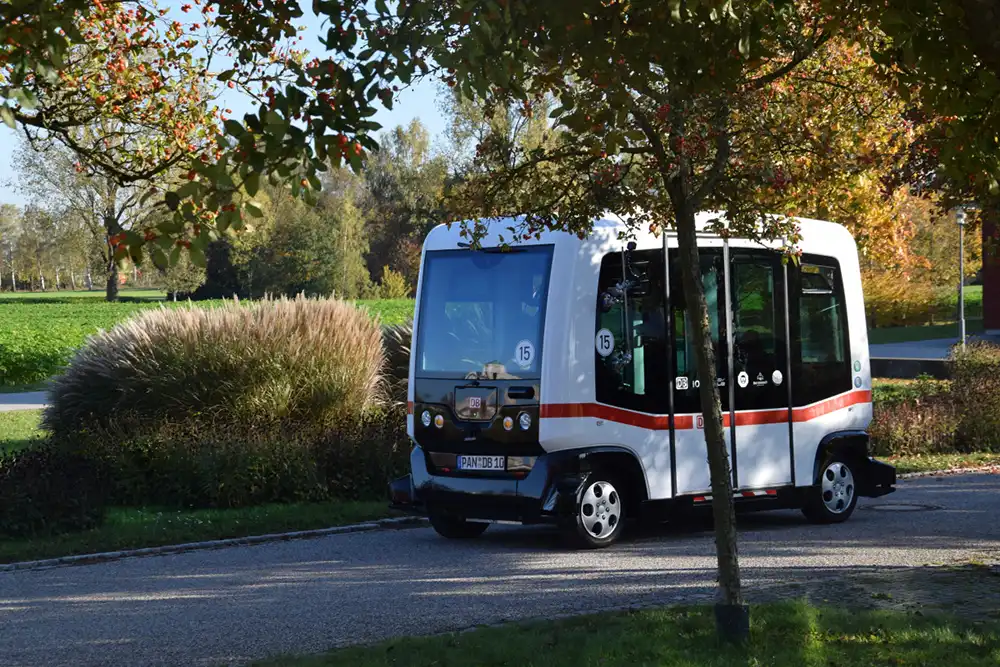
[
  {"x": 599, "y": 517},
  {"x": 453, "y": 527},
  {"x": 834, "y": 497}
]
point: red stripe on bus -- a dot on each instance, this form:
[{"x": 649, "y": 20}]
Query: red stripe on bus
[
  {"x": 686, "y": 422},
  {"x": 613, "y": 414}
]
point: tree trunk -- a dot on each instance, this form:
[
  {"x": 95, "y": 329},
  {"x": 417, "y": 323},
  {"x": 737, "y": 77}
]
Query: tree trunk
[
  {"x": 72, "y": 280},
  {"x": 111, "y": 290},
  {"x": 731, "y": 615},
  {"x": 88, "y": 280}
]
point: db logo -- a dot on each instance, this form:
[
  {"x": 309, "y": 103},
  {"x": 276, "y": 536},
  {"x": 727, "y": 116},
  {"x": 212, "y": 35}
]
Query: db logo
[{"x": 700, "y": 421}]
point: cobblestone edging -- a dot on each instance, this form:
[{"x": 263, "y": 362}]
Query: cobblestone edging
[{"x": 86, "y": 559}]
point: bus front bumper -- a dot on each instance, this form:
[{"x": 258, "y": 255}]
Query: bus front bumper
[{"x": 544, "y": 494}]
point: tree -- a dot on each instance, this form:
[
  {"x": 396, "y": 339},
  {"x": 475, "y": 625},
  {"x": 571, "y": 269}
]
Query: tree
[
  {"x": 99, "y": 204},
  {"x": 944, "y": 56},
  {"x": 400, "y": 198},
  {"x": 130, "y": 94},
  {"x": 667, "y": 109}
]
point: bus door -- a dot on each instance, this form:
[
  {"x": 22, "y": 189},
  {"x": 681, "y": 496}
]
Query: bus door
[
  {"x": 752, "y": 378},
  {"x": 690, "y": 453},
  {"x": 759, "y": 394}
]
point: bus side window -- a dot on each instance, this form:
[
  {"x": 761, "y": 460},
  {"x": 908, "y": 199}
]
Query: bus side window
[
  {"x": 641, "y": 384},
  {"x": 822, "y": 358}
]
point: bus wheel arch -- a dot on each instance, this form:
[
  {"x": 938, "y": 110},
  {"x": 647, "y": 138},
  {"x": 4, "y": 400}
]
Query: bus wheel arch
[
  {"x": 839, "y": 478},
  {"x": 609, "y": 482}
]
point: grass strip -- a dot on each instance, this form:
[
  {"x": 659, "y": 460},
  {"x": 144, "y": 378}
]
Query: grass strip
[
  {"x": 133, "y": 528},
  {"x": 19, "y": 429},
  {"x": 932, "y": 462},
  {"x": 788, "y": 633}
]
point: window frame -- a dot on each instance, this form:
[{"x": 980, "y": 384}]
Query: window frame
[
  {"x": 547, "y": 250},
  {"x": 656, "y": 399},
  {"x": 804, "y": 392}
]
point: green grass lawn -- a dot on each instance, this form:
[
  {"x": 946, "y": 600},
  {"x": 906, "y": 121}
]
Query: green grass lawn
[
  {"x": 881, "y": 336},
  {"x": 131, "y": 528},
  {"x": 792, "y": 634},
  {"x": 97, "y": 295},
  {"x": 18, "y": 429},
  {"x": 931, "y": 462}
]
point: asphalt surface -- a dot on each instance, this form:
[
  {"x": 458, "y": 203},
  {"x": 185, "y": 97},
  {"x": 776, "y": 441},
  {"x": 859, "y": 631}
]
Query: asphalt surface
[{"x": 236, "y": 604}]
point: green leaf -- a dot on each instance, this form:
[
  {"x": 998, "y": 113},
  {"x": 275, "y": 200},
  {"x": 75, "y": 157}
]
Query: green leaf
[
  {"x": 172, "y": 200},
  {"x": 675, "y": 9},
  {"x": 234, "y": 128},
  {"x": 254, "y": 209},
  {"x": 160, "y": 259},
  {"x": 7, "y": 116},
  {"x": 745, "y": 45},
  {"x": 252, "y": 183},
  {"x": 227, "y": 75}
]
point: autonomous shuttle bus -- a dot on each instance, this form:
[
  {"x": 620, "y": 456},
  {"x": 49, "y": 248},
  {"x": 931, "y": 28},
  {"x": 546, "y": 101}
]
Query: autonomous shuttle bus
[{"x": 555, "y": 380}]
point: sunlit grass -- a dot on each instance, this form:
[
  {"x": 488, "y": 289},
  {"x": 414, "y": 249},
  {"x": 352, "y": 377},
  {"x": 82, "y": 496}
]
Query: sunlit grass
[{"x": 790, "y": 633}]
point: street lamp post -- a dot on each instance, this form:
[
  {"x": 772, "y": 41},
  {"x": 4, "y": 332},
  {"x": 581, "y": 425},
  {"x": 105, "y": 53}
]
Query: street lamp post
[{"x": 960, "y": 219}]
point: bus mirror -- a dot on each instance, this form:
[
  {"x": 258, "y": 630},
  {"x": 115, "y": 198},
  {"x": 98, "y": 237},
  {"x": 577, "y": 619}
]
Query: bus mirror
[{"x": 606, "y": 301}]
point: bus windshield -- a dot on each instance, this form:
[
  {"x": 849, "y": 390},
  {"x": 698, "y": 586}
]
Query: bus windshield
[{"x": 482, "y": 313}]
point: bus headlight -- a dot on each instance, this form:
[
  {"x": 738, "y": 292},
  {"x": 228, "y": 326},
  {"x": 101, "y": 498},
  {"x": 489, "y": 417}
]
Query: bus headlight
[
  {"x": 524, "y": 419},
  {"x": 508, "y": 423},
  {"x": 425, "y": 419},
  {"x": 439, "y": 421}
]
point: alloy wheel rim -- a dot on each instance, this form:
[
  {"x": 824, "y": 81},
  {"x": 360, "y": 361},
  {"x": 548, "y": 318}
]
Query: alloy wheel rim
[
  {"x": 600, "y": 510},
  {"x": 838, "y": 487}
]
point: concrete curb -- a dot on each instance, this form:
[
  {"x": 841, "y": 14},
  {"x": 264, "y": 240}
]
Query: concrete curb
[{"x": 87, "y": 559}]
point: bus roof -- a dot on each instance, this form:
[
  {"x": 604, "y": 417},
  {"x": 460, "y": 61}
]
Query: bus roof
[{"x": 608, "y": 226}]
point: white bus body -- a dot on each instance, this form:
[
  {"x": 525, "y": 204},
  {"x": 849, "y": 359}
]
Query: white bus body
[{"x": 538, "y": 394}]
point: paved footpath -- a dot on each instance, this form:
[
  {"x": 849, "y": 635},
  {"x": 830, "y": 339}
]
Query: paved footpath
[
  {"x": 32, "y": 400},
  {"x": 232, "y": 605}
]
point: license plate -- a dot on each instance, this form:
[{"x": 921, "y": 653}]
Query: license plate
[{"x": 482, "y": 463}]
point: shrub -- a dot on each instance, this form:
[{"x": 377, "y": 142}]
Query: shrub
[
  {"x": 193, "y": 465},
  {"x": 975, "y": 374},
  {"x": 923, "y": 425},
  {"x": 45, "y": 490},
  {"x": 393, "y": 285},
  {"x": 289, "y": 362}
]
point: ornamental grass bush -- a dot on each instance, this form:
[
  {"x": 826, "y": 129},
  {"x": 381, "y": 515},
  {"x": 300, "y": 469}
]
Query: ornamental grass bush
[
  {"x": 288, "y": 361},
  {"x": 396, "y": 340},
  {"x": 280, "y": 400}
]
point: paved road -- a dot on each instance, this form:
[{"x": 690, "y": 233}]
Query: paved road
[
  {"x": 33, "y": 400},
  {"x": 231, "y": 605},
  {"x": 934, "y": 348}
]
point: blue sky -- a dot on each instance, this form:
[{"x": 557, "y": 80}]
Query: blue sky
[{"x": 418, "y": 101}]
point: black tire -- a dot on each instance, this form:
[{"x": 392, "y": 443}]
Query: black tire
[
  {"x": 578, "y": 528},
  {"x": 835, "y": 495},
  {"x": 456, "y": 528}
]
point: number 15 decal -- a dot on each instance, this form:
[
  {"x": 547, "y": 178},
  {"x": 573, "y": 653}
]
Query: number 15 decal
[
  {"x": 524, "y": 355},
  {"x": 604, "y": 342}
]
